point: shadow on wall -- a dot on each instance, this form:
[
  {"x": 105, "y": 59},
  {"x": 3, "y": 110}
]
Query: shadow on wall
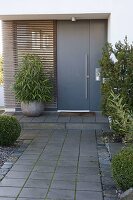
[
  {"x": 1, "y": 96},
  {"x": 1, "y": 84}
]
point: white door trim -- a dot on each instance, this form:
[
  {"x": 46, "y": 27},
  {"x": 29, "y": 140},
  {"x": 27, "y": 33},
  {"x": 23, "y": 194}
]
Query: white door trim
[{"x": 73, "y": 110}]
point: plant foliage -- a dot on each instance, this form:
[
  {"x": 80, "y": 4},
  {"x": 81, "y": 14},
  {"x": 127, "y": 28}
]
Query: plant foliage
[
  {"x": 31, "y": 84},
  {"x": 117, "y": 72},
  {"x": 122, "y": 168},
  {"x": 122, "y": 117},
  {"x": 9, "y": 130}
]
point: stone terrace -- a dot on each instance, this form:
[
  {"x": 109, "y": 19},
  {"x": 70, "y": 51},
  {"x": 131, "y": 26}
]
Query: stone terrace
[{"x": 59, "y": 163}]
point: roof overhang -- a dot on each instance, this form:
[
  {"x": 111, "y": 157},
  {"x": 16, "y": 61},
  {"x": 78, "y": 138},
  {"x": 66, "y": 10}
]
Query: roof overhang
[{"x": 55, "y": 16}]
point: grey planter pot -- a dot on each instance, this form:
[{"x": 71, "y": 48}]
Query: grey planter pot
[{"x": 32, "y": 109}]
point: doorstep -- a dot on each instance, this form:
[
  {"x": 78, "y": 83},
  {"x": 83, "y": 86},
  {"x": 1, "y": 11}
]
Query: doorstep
[{"x": 69, "y": 121}]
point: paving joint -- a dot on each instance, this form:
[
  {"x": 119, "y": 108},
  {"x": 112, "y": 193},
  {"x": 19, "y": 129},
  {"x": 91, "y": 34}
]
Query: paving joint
[
  {"x": 56, "y": 166},
  {"x": 34, "y": 166},
  {"x": 77, "y": 168}
]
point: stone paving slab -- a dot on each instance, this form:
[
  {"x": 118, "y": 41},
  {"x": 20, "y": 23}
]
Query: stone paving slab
[
  {"x": 87, "y": 126},
  {"x": 6, "y": 198},
  {"x": 66, "y": 185},
  {"x": 9, "y": 191},
  {"x": 89, "y": 178},
  {"x": 12, "y": 182},
  {"x": 41, "y": 175},
  {"x": 29, "y": 199},
  {"x": 37, "y": 183},
  {"x": 64, "y": 177},
  {"x": 61, "y": 194},
  {"x": 16, "y": 174},
  {"x": 46, "y": 125},
  {"x": 89, "y": 195},
  {"x": 22, "y": 168},
  {"x": 89, "y": 186},
  {"x": 33, "y": 192}
]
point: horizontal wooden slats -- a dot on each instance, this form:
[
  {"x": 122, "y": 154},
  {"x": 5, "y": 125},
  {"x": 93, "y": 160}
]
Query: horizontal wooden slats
[
  {"x": 8, "y": 55},
  {"x": 36, "y": 37}
]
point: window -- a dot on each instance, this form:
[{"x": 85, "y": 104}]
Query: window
[{"x": 40, "y": 40}]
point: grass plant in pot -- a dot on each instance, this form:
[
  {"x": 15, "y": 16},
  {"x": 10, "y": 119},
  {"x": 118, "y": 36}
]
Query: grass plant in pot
[{"x": 32, "y": 87}]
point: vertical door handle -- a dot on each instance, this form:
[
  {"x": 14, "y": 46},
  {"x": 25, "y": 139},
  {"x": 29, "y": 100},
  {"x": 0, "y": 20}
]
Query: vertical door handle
[
  {"x": 98, "y": 73},
  {"x": 86, "y": 76}
]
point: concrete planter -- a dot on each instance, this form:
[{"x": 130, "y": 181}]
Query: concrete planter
[
  {"x": 1, "y": 96},
  {"x": 32, "y": 109}
]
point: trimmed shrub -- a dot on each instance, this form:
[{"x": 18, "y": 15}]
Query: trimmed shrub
[
  {"x": 122, "y": 168},
  {"x": 117, "y": 72},
  {"x": 9, "y": 130}
]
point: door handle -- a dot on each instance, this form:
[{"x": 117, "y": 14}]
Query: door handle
[
  {"x": 98, "y": 73},
  {"x": 86, "y": 76}
]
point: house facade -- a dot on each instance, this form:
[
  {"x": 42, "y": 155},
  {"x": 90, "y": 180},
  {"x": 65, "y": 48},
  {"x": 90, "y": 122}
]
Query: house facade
[{"x": 69, "y": 37}]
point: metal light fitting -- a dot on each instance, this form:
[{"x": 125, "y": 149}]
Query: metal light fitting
[{"x": 73, "y": 19}]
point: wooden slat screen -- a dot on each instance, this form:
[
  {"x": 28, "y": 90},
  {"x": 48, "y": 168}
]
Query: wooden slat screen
[
  {"x": 8, "y": 65},
  {"x": 36, "y": 37}
]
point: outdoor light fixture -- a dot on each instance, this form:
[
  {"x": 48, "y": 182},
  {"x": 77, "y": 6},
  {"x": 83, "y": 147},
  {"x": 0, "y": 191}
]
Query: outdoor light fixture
[{"x": 73, "y": 19}]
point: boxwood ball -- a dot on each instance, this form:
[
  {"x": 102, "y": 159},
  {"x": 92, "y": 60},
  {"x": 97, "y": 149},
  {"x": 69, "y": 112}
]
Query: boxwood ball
[
  {"x": 122, "y": 168},
  {"x": 9, "y": 130}
]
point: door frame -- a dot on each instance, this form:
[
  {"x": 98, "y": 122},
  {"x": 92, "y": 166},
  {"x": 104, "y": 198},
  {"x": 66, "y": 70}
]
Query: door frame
[{"x": 106, "y": 31}]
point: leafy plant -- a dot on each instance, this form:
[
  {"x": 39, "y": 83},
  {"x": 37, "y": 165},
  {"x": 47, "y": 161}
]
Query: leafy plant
[
  {"x": 122, "y": 117},
  {"x": 122, "y": 168},
  {"x": 31, "y": 84},
  {"x": 1, "y": 71},
  {"x": 117, "y": 72},
  {"x": 9, "y": 130}
]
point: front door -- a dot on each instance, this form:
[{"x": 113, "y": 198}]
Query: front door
[{"x": 79, "y": 47}]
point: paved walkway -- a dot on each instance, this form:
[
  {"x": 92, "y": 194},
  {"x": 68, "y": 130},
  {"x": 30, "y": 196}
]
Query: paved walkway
[{"x": 57, "y": 165}]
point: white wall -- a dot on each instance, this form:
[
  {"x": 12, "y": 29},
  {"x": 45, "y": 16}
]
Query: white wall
[
  {"x": 0, "y": 38},
  {"x": 121, "y": 12},
  {"x": 120, "y": 23},
  {"x": 53, "y": 6}
]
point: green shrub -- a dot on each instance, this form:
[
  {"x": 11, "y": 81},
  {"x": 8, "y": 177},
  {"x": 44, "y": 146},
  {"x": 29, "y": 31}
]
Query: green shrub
[
  {"x": 122, "y": 117},
  {"x": 1, "y": 71},
  {"x": 9, "y": 130},
  {"x": 117, "y": 73},
  {"x": 31, "y": 84},
  {"x": 122, "y": 168}
]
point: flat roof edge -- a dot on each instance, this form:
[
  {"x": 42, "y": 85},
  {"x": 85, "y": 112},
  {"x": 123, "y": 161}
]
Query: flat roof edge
[{"x": 66, "y": 16}]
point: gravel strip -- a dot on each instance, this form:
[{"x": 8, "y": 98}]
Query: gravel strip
[
  {"x": 9, "y": 155},
  {"x": 5, "y": 152},
  {"x": 108, "y": 185}
]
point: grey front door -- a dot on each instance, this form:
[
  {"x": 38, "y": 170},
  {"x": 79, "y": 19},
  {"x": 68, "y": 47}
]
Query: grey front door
[{"x": 79, "y": 47}]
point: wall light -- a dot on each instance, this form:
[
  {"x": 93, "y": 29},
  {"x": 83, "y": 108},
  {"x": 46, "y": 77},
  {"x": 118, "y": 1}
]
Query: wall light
[{"x": 73, "y": 19}]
